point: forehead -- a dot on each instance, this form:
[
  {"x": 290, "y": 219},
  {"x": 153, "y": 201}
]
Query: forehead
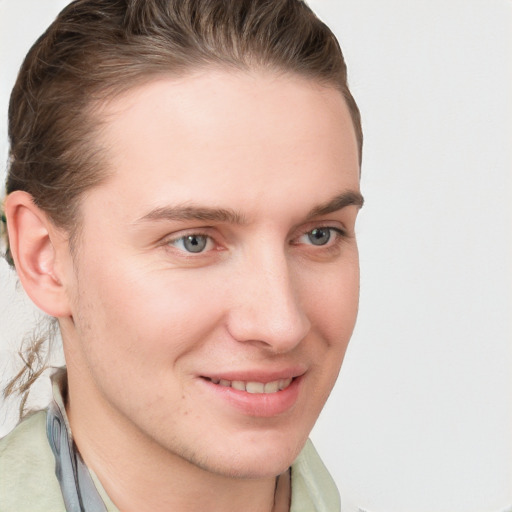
[{"x": 204, "y": 135}]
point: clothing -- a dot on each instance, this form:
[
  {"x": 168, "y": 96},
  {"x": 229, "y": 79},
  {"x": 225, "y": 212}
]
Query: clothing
[{"x": 29, "y": 469}]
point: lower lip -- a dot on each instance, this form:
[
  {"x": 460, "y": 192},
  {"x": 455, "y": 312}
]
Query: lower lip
[{"x": 263, "y": 405}]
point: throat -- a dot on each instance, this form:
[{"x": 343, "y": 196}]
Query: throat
[{"x": 283, "y": 494}]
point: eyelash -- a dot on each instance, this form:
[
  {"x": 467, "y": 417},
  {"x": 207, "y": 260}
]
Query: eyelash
[{"x": 332, "y": 243}]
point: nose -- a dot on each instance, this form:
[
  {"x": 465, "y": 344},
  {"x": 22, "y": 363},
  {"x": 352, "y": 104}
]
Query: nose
[{"x": 267, "y": 308}]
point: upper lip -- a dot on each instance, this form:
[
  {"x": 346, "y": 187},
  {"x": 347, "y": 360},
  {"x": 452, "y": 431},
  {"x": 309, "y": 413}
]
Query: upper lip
[{"x": 257, "y": 375}]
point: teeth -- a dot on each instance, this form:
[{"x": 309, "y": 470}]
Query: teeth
[
  {"x": 272, "y": 387},
  {"x": 284, "y": 383},
  {"x": 238, "y": 384},
  {"x": 255, "y": 387}
]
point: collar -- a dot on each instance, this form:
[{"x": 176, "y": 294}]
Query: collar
[{"x": 78, "y": 489}]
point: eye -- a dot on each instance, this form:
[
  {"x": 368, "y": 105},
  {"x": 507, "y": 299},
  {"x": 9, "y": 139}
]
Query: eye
[
  {"x": 194, "y": 243},
  {"x": 321, "y": 236}
]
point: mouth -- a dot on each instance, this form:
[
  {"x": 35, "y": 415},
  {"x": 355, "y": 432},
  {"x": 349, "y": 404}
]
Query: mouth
[
  {"x": 257, "y": 397},
  {"x": 254, "y": 387}
]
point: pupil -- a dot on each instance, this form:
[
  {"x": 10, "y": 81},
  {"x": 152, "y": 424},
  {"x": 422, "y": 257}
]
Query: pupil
[
  {"x": 319, "y": 236},
  {"x": 195, "y": 243}
]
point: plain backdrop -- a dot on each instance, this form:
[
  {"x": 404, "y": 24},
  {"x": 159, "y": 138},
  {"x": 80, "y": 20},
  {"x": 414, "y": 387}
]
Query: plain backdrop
[{"x": 421, "y": 418}]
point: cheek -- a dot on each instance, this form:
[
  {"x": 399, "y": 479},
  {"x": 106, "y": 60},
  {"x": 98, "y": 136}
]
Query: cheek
[
  {"x": 332, "y": 300},
  {"x": 138, "y": 333},
  {"x": 149, "y": 314}
]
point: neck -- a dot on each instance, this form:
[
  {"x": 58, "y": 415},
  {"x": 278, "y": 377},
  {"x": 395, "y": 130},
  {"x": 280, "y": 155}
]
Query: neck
[{"x": 139, "y": 474}]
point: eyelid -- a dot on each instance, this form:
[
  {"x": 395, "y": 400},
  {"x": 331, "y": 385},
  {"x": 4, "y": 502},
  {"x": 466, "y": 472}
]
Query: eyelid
[
  {"x": 182, "y": 233},
  {"x": 339, "y": 232},
  {"x": 335, "y": 225}
]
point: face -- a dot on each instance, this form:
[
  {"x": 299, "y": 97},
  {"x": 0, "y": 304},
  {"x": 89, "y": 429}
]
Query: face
[{"x": 216, "y": 281}]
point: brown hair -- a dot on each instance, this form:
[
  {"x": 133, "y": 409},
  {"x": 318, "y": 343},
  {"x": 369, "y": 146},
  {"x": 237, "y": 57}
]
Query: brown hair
[{"x": 96, "y": 49}]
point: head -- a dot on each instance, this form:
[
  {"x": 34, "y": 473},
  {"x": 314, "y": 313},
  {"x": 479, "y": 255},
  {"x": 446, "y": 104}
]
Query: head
[{"x": 182, "y": 193}]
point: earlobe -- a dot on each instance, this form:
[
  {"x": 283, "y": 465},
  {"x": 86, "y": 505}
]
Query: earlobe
[{"x": 33, "y": 239}]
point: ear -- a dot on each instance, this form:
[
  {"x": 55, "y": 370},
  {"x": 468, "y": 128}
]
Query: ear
[{"x": 35, "y": 245}]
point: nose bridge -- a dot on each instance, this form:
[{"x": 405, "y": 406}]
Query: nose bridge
[{"x": 268, "y": 306}]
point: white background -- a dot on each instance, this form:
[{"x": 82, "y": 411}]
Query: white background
[{"x": 421, "y": 418}]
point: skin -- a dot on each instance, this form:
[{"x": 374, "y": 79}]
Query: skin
[{"x": 249, "y": 164}]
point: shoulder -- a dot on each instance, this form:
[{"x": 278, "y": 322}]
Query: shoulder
[
  {"x": 27, "y": 469},
  {"x": 313, "y": 488}
]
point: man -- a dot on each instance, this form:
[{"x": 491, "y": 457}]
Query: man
[{"x": 182, "y": 197}]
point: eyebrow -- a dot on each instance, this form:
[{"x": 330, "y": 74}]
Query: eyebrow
[
  {"x": 226, "y": 215},
  {"x": 348, "y": 198},
  {"x": 181, "y": 213}
]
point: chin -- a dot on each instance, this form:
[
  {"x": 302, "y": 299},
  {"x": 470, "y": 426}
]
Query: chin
[
  {"x": 259, "y": 458},
  {"x": 242, "y": 468}
]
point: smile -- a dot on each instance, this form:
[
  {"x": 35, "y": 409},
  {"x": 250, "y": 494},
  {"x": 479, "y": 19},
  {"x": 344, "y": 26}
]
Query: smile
[
  {"x": 258, "y": 396},
  {"x": 253, "y": 386}
]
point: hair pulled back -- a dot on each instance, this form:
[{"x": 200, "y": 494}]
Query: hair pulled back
[{"x": 96, "y": 49}]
